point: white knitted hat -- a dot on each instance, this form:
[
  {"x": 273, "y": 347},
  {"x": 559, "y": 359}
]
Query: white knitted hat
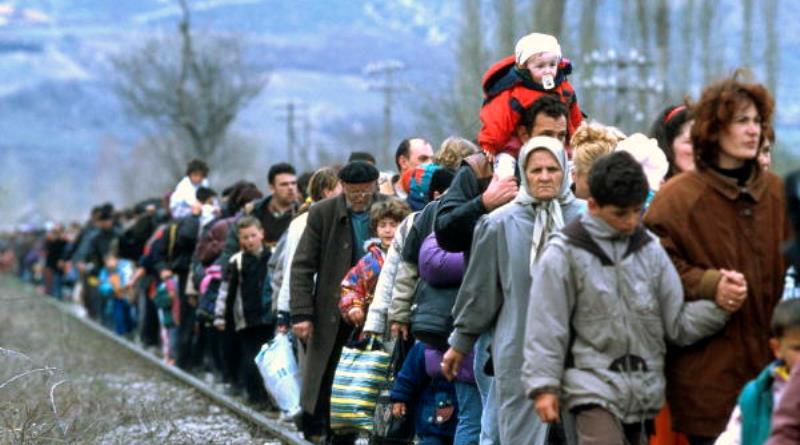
[
  {"x": 535, "y": 43},
  {"x": 647, "y": 153}
]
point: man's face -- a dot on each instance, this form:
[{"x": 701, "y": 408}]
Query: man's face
[
  {"x": 284, "y": 188},
  {"x": 622, "y": 219},
  {"x": 419, "y": 152},
  {"x": 544, "y": 125},
  {"x": 251, "y": 239},
  {"x": 359, "y": 196}
]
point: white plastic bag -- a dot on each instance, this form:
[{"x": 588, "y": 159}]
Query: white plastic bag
[{"x": 278, "y": 369}]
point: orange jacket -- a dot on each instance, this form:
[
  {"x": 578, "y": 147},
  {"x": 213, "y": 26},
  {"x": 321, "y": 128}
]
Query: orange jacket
[{"x": 507, "y": 95}]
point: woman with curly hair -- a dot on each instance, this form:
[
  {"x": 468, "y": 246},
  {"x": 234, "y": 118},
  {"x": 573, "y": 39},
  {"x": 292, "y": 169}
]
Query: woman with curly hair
[
  {"x": 590, "y": 141},
  {"x": 723, "y": 226}
]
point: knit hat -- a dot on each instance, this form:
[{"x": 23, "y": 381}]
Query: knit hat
[
  {"x": 535, "y": 43},
  {"x": 646, "y": 152},
  {"x": 358, "y": 172},
  {"x": 419, "y": 182}
]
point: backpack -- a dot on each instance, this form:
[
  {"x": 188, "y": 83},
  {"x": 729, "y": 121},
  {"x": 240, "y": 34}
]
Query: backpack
[
  {"x": 209, "y": 290},
  {"x": 419, "y": 183}
]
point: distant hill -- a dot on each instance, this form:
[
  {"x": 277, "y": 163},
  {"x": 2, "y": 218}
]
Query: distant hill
[{"x": 57, "y": 112}]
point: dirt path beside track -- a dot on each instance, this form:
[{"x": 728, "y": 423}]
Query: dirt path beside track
[{"x": 62, "y": 383}]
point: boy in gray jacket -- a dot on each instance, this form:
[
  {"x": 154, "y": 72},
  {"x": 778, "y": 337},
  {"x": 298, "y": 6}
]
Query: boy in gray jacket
[{"x": 605, "y": 299}]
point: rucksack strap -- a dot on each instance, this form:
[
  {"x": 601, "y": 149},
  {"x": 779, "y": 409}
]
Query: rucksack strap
[{"x": 482, "y": 168}]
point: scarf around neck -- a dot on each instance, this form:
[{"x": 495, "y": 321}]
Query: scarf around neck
[{"x": 548, "y": 215}]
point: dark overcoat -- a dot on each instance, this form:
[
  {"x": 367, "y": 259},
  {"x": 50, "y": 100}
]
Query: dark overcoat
[{"x": 325, "y": 250}]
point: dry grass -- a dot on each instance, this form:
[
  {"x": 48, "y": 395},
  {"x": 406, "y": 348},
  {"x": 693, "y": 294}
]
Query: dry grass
[{"x": 60, "y": 383}]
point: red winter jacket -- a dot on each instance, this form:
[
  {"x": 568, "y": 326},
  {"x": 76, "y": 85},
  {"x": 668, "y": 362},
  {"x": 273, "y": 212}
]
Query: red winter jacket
[{"x": 507, "y": 95}]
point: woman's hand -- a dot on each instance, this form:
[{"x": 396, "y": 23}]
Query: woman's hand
[{"x": 731, "y": 291}]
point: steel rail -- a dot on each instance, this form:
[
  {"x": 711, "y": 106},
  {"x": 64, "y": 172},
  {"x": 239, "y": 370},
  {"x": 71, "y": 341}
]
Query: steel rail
[{"x": 270, "y": 425}]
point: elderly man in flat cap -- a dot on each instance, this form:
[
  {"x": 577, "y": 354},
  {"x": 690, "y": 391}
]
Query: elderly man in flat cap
[{"x": 331, "y": 244}]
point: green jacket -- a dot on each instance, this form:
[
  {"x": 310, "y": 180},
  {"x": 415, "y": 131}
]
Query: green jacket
[{"x": 755, "y": 402}]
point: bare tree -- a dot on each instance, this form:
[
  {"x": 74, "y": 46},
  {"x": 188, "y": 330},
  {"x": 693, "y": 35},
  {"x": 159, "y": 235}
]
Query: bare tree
[
  {"x": 188, "y": 88},
  {"x": 689, "y": 42},
  {"x": 506, "y": 27},
  {"x": 662, "y": 44},
  {"x": 747, "y": 32},
  {"x": 455, "y": 111},
  {"x": 548, "y": 17},
  {"x": 707, "y": 14},
  {"x": 588, "y": 42},
  {"x": 773, "y": 50}
]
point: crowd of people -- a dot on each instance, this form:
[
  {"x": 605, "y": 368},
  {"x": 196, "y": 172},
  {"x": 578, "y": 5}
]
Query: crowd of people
[{"x": 556, "y": 282}]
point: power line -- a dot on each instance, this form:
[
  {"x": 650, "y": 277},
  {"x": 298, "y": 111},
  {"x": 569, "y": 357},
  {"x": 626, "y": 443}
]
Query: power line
[
  {"x": 291, "y": 111},
  {"x": 382, "y": 78}
]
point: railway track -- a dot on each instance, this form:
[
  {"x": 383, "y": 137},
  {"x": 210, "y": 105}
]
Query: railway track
[{"x": 275, "y": 431}]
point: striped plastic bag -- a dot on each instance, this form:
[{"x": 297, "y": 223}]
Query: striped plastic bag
[{"x": 361, "y": 373}]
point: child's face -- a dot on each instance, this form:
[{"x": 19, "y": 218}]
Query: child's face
[
  {"x": 787, "y": 348},
  {"x": 542, "y": 64},
  {"x": 251, "y": 239},
  {"x": 622, "y": 219},
  {"x": 386, "y": 228},
  {"x": 196, "y": 177},
  {"x": 111, "y": 262}
]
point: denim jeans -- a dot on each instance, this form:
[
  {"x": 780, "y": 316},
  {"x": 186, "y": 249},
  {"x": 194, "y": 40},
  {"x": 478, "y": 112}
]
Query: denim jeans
[
  {"x": 468, "y": 430},
  {"x": 489, "y": 431}
]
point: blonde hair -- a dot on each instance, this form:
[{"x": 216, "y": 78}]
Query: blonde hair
[
  {"x": 453, "y": 150},
  {"x": 590, "y": 141}
]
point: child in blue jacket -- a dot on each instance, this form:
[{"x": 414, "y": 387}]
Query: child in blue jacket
[
  {"x": 751, "y": 420},
  {"x": 432, "y": 397},
  {"x": 113, "y": 285}
]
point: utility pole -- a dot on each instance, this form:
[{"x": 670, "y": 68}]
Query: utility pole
[
  {"x": 291, "y": 111},
  {"x": 388, "y": 85}
]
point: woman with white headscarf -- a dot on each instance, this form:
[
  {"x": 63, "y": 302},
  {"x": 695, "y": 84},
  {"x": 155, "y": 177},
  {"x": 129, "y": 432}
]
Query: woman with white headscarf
[{"x": 495, "y": 292}]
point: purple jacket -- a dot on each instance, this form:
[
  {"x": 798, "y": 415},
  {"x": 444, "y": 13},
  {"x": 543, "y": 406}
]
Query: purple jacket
[
  {"x": 439, "y": 267},
  {"x": 433, "y": 360}
]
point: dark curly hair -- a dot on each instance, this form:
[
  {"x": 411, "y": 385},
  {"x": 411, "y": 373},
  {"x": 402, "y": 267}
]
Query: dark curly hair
[
  {"x": 617, "y": 179},
  {"x": 716, "y": 109},
  {"x": 197, "y": 166}
]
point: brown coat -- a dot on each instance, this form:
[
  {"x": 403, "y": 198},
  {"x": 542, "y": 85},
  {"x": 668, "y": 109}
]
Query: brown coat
[
  {"x": 325, "y": 250},
  {"x": 706, "y": 223}
]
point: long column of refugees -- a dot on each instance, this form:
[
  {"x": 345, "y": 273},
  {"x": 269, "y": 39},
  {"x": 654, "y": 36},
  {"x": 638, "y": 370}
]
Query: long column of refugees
[{"x": 558, "y": 282}]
